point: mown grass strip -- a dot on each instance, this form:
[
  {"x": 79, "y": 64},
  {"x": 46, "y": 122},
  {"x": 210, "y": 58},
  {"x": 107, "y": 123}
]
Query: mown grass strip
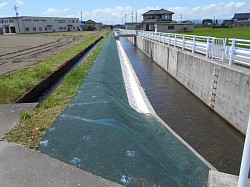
[
  {"x": 13, "y": 86},
  {"x": 33, "y": 125}
]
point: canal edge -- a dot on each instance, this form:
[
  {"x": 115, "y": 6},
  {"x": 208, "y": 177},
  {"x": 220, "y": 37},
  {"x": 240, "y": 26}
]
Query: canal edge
[{"x": 151, "y": 110}]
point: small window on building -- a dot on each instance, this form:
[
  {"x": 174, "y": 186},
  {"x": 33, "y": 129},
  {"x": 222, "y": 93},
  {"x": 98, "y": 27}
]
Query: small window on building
[
  {"x": 76, "y": 21},
  {"x": 6, "y": 21},
  {"x": 40, "y": 29},
  {"x": 171, "y": 27},
  {"x": 167, "y": 17},
  {"x": 74, "y": 28},
  {"x": 11, "y": 21},
  {"x": 27, "y": 29},
  {"x": 61, "y": 21},
  {"x": 73, "y": 21},
  {"x": 34, "y": 28},
  {"x": 45, "y": 28}
]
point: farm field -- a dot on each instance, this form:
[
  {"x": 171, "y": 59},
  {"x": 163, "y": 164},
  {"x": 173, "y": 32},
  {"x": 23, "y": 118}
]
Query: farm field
[
  {"x": 18, "y": 52},
  {"x": 27, "y": 59},
  {"x": 240, "y": 33}
]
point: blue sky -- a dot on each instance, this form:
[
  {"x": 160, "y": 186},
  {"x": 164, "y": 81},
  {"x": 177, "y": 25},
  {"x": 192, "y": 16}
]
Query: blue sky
[{"x": 113, "y": 11}]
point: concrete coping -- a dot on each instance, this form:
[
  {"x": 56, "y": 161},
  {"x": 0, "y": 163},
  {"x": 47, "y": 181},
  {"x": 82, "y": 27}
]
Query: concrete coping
[{"x": 219, "y": 179}]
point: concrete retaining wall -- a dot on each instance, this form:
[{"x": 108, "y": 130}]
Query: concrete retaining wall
[{"x": 195, "y": 73}]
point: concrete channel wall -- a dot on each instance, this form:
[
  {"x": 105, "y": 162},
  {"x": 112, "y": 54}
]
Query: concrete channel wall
[{"x": 195, "y": 72}]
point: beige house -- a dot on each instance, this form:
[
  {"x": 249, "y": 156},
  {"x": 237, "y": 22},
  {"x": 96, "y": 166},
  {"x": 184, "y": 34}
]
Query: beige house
[
  {"x": 29, "y": 24},
  {"x": 175, "y": 27},
  {"x": 241, "y": 20},
  {"x": 91, "y": 25}
]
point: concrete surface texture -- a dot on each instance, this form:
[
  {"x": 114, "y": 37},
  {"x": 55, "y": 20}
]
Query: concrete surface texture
[
  {"x": 232, "y": 99},
  {"x": 9, "y": 115},
  {"x": 21, "y": 166},
  {"x": 219, "y": 179}
]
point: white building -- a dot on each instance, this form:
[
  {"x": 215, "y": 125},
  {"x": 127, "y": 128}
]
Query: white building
[{"x": 29, "y": 24}]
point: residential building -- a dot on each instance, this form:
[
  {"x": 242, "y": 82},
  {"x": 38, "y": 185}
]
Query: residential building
[
  {"x": 30, "y": 24},
  {"x": 241, "y": 20},
  {"x": 91, "y": 25},
  {"x": 152, "y": 17},
  {"x": 161, "y": 21}
]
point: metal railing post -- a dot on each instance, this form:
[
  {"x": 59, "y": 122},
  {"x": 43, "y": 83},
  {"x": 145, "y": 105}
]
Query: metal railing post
[
  {"x": 193, "y": 47},
  {"x": 183, "y": 42},
  {"x": 231, "y": 52},
  {"x": 175, "y": 41},
  {"x": 213, "y": 48},
  {"x": 224, "y": 49},
  {"x": 208, "y": 45},
  {"x": 245, "y": 163},
  {"x": 168, "y": 39}
]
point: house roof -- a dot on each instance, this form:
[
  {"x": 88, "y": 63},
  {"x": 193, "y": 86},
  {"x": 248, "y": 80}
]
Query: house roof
[
  {"x": 90, "y": 21},
  {"x": 161, "y": 11},
  {"x": 241, "y": 15}
]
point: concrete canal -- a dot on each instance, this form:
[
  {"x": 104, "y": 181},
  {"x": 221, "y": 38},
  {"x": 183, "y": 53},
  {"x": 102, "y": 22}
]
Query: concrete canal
[
  {"x": 203, "y": 129},
  {"x": 101, "y": 133}
]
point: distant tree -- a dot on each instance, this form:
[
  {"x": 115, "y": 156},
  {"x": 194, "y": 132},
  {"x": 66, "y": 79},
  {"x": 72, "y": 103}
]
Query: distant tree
[
  {"x": 207, "y": 22},
  {"x": 174, "y": 21}
]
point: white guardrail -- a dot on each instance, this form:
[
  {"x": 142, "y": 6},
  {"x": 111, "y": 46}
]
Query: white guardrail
[{"x": 211, "y": 47}]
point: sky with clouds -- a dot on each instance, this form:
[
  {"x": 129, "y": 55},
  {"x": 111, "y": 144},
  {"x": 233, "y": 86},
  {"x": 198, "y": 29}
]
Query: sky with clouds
[{"x": 113, "y": 11}]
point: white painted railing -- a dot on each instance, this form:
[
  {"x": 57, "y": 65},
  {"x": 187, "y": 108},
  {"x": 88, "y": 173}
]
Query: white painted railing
[
  {"x": 245, "y": 163},
  {"x": 211, "y": 47},
  {"x": 238, "y": 53}
]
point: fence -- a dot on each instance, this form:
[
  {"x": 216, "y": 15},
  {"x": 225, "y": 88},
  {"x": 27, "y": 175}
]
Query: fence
[{"x": 211, "y": 47}]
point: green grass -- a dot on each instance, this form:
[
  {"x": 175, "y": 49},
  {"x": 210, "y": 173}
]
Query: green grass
[
  {"x": 33, "y": 125},
  {"x": 240, "y": 33},
  {"x": 13, "y": 86}
]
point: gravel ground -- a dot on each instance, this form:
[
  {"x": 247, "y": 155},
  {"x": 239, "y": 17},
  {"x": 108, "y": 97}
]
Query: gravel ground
[{"x": 18, "y": 52}]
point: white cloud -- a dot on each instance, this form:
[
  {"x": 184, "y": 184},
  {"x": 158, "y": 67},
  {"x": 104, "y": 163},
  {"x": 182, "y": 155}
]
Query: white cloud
[
  {"x": 3, "y": 4},
  {"x": 66, "y": 9},
  {"x": 56, "y": 12},
  {"x": 116, "y": 15},
  {"x": 220, "y": 10},
  {"x": 20, "y": 2},
  {"x": 51, "y": 11}
]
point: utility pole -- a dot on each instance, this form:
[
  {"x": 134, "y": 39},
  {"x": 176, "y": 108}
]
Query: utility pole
[
  {"x": 81, "y": 16},
  {"x": 132, "y": 16},
  {"x": 15, "y": 8},
  {"x": 181, "y": 17},
  {"x": 125, "y": 18},
  {"x": 136, "y": 17}
]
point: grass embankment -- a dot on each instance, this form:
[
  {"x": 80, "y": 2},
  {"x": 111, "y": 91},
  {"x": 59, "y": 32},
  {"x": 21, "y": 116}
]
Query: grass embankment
[
  {"x": 33, "y": 125},
  {"x": 240, "y": 33},
  {"x": 13, "y": 86}
]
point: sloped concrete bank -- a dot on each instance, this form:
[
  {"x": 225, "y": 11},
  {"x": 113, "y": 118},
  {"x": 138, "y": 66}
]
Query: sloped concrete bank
[
  {"x": 36, "y": 91},
  {"x": 195, "y": 72}
]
